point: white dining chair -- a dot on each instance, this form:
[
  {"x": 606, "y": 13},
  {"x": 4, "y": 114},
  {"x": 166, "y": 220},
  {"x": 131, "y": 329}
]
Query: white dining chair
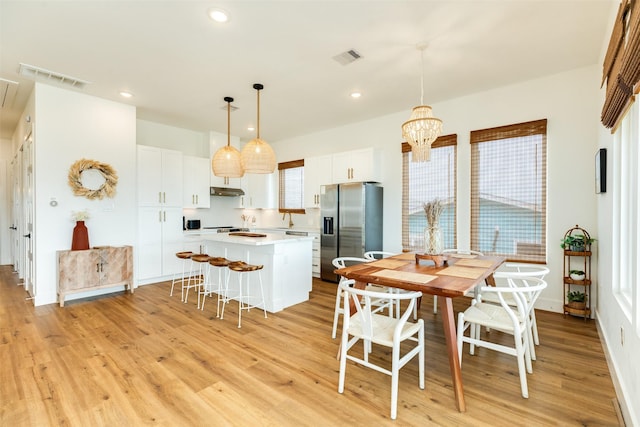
[
  {"x": 504, "y": 318},
  {"x": 375, "y": 255},
  {"x": 520, "y": 270},
  {"x": 381, "y": 304},
  {"x": 372, "y": 328}
]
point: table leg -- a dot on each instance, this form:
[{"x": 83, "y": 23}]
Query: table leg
[{"x": 449, "y": 324}]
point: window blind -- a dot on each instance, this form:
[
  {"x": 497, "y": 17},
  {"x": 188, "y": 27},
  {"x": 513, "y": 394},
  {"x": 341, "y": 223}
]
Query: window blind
[
  {"x": 621, "y": 67},
  {"x": 291, "y": 188},
  {"x": 423, "y": 182},
  {"x": 508, "y": 191}
]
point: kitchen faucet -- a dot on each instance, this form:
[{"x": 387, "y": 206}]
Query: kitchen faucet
[{"x": 284, "y": 215}]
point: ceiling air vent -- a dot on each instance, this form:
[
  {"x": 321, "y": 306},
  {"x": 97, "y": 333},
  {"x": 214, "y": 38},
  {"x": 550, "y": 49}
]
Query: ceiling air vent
[
  {"x": 8, "y": 91},
  {"x": 347, "y": 57},
  {"x": 41, "y": 74}
]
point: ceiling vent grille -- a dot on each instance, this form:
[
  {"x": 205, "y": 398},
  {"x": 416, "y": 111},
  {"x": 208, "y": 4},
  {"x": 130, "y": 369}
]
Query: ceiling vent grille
[
  {"x": 8, "y": 91},
  {"x": 346, "y": 58},
  {"x": 41, "y": 74}
]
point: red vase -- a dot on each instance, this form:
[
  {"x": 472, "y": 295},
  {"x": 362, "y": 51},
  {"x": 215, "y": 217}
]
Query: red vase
[{"x": 80, "y": 239}]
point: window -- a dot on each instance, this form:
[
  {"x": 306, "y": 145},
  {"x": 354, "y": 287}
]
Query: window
[
  {"x": 423, "y": 182},
  {"x": 626, "y": 209},
  {"x": 508, "y": 191},
  {"x": 291, "y": 188}
]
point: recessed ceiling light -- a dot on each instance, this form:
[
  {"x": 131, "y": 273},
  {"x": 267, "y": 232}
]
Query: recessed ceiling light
[
  {"x": 251, "y": 128},
  {"x": 126, "y": 94},
  {"x": 218, "y": 15},
  {"x": 356, "y": 94}
]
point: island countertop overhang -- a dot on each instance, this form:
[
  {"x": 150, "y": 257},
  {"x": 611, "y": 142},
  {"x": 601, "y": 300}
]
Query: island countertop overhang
[{"x": 268, "y": 239}]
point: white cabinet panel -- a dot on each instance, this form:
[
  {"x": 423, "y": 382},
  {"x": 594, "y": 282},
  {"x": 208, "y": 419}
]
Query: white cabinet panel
[
  {"x": 356, "y": 166},
  {"x": 317, "y": 172},
  {"x": 160, "y": 236},
  {"x": 260, "y": 191},
  {"x": 196, "y": 182},
  {"x": 159, "y": 177}
]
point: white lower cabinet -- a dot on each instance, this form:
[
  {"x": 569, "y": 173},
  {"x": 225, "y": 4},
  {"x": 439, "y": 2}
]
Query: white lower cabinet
[{"x": 160, "y": 236}]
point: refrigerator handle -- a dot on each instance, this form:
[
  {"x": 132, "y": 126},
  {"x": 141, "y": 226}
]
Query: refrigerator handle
[{"x": 328, "y": 225}]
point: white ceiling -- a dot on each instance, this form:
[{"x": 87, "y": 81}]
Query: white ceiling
[{"x": 180, "y": 64}]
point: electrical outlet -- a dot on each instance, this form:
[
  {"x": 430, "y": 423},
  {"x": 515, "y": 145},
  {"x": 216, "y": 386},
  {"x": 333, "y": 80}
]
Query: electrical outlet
[{"x": 621, "y": 336}]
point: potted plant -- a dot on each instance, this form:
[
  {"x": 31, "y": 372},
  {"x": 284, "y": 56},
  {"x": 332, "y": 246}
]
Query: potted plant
[
  {"x": 576, "y": 300},
  {"x": 576, "y": 242},
  {"x": 576, "y": 274}
]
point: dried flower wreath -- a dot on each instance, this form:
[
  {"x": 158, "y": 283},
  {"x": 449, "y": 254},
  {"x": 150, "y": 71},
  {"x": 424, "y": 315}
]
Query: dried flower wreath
[{"x": 107, "y": 189}]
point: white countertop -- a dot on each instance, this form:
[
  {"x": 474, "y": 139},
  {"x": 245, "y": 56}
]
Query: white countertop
[
  {"x": 266, "y": 230},
  {"x": 269, "y": 239}
]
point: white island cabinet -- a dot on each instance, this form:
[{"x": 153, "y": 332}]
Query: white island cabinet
[{"x": 286, "y": 276}]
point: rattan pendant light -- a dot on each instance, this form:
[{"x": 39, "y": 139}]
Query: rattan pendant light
[
  {"x": 226, "y": 161},
  {"x": 257, "y": 156},
  {"x": 422, "y": 128}
]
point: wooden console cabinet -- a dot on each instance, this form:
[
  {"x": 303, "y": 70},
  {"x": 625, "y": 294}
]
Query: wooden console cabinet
[{"x": 100, "y": 267}]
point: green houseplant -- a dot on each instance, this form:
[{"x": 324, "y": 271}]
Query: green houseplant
[
  {"x": 576, "y": 299},
  {"x": 576, "y": 242}
]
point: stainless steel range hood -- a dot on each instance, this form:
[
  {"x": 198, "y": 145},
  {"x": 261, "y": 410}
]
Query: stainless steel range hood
[{"x": 226, "y": 192}]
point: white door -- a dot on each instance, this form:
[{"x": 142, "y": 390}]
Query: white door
[
  {"x": 28, "y": 235},
  {"x": 15, "y": 212}
]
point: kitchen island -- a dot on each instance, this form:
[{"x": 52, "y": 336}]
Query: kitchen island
[{"x": 286, "y": 276}]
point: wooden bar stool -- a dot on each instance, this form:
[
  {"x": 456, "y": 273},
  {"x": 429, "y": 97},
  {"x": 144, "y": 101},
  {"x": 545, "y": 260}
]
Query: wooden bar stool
[
  {"x": 221, "y": 264},
  {"x": 184, "y": 256},
  {"x": 199, "y": 279},
  {"x": 244, "y": 299}
]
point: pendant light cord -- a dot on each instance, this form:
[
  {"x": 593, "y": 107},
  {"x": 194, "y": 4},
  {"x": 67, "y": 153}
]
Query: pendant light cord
[
  {"x": 258, "y": 124},
  {"x": 422, "y": 75},
  {"x": 228, "y": 124}
]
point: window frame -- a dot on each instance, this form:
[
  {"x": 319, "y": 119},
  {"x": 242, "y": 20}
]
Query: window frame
[
  {"x": 442, "y": 142},
  {"x": 282, "y": 185},
  {"x": 502, "y": 133}
]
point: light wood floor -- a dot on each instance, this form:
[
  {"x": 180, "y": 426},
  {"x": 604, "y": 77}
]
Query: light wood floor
[{"x": 148, "y": 359}]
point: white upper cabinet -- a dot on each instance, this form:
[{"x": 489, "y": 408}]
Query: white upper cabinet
[
  {"x": 159, "y": 177},
  {"x": 317, "y": 172},
  {"x": 261, "y": 191},
  {"x": 356, "y": 166},
  {"x": 196, "y": 182}
]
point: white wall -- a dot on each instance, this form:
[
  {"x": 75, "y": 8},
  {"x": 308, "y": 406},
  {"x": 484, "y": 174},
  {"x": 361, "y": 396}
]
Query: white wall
[
  {"x": 570, "y": 101},
  {"x": 70, "y": 126},
  {"x": 189, "y": 142}
]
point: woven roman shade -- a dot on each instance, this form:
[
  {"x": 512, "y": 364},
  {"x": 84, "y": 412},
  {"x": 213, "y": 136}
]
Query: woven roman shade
[
  {"x": 508, "y": 191},
  {"x": 423, "y": 182},
  {"x": 621, "y": 67}
]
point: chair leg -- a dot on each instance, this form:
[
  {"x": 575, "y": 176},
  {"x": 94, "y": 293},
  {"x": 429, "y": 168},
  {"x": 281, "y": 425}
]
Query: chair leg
[
  {"x": 222, "y": 292},
  {"x": 520, "y": 354},
  {"x": 460, "y": 334},
  {"x": 395, "y": 362},
  {"x": 240, "y": 300},
  {"x": 435, "y": 304},
  {"x": 421, "y": 356},
  {"x": 534, "y": 327},
  {"x": 336, "y": 314}
]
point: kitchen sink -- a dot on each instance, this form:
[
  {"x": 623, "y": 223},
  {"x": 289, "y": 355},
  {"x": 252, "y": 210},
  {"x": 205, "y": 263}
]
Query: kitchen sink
[{"x": 296, "y": 233}]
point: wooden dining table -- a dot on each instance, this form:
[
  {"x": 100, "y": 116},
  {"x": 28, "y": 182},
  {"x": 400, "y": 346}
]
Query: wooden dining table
[{"x": 460, "y": 274}]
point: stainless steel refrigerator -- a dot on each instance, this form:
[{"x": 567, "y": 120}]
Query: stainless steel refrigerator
[{"x": 351, "y": 216}]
